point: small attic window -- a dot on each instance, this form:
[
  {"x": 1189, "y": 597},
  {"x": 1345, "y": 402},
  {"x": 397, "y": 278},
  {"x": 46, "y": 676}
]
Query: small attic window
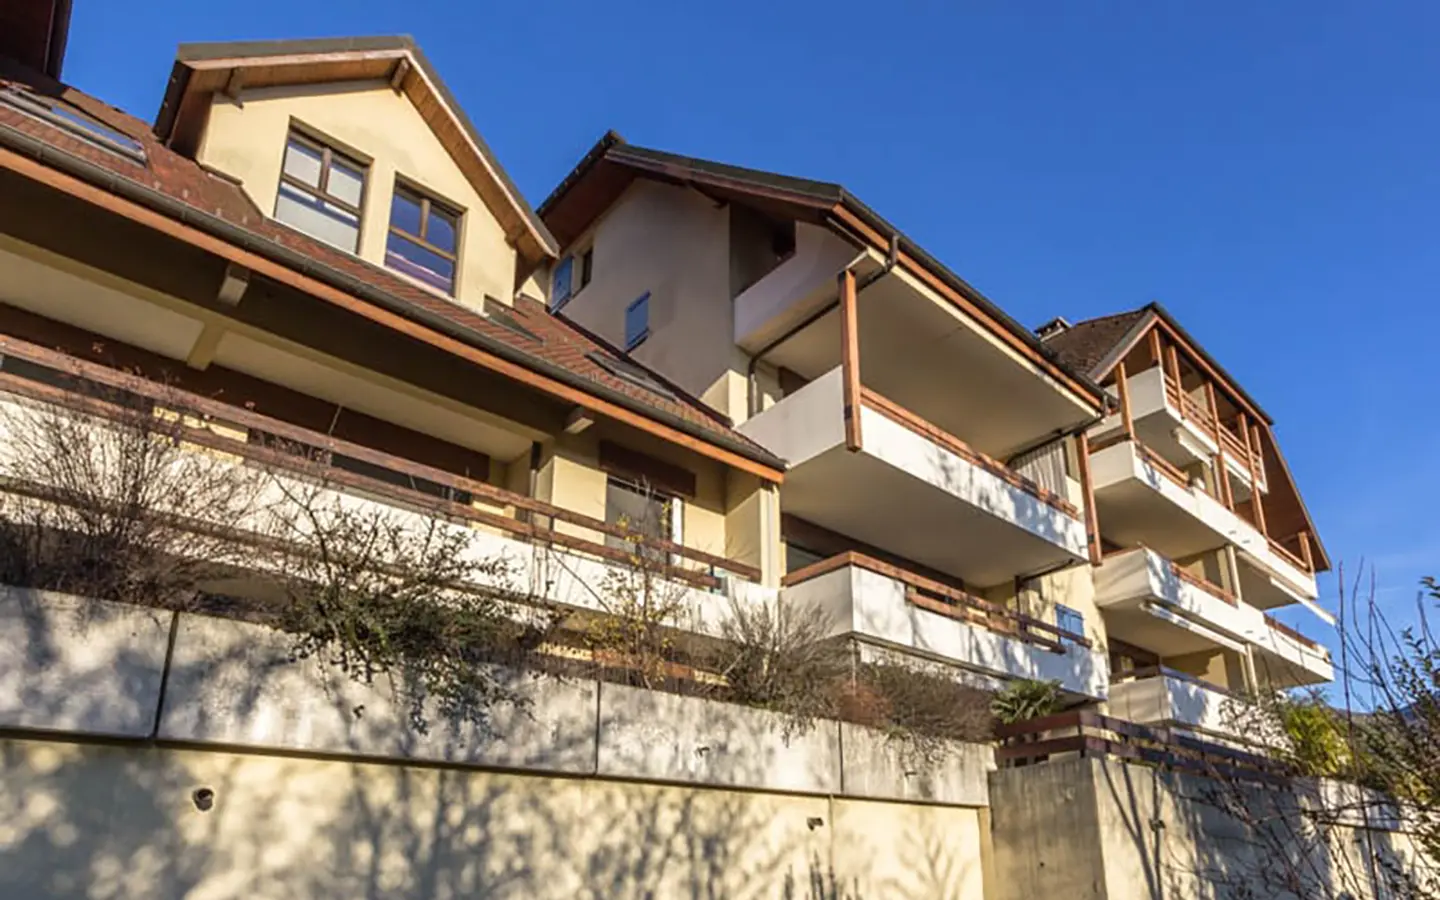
[
  {"x": 62, "y": 115},
  {"x": 628, "y": 371}
]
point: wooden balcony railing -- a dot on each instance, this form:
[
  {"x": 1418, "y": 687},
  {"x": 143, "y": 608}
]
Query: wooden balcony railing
[
  {"x": 902, "y": 416},
  {"x": 112, "y": 394},
  {"x": 1295, "y": 634},
  {"x": 945, "y": 600},
  {"x": 1208, "y": 587},
  {"x": 1147, "y": 672},
  {"x": 1089, "y": 734}
]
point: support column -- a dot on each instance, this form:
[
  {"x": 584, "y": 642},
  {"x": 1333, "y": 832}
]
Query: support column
[
  {"x": 1087, "y": 488},
  {"x": 850, "y": 359},
  {"x": 1126, "y": 415}
]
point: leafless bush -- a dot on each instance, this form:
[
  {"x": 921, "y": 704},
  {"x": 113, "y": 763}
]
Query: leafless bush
[
  {"x": 117, "y": 510},
  {"x": 924, "y": 711}
]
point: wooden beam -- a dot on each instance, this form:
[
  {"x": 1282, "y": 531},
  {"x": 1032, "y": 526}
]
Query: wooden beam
[
  {"x": 1173, "y": 358},
  {"x": 1087, "y": 490},
  {"x": 278, "y": 272},
  {"x": 850, "y": 359},
  {"x": 1305, "y": 552},
  {"x": 1199, "y": 362},
  {"x": 1155, "y": 350},
  {"x": 1227, "y": 496},
  {"x": 397, "y": 78},
  {"x": 1126, "y": 414},
  {"x": 1256, "y": 502},
  {"x": 202, "y": 352}
]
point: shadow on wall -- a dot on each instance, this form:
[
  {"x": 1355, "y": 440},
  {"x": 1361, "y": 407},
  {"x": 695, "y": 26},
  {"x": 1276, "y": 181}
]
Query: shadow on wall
[
  {"x": 1188, "y": 837},
  {"x": 125, "y": 819}
]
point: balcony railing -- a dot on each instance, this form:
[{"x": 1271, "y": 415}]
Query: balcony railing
[
  {"x": 115, "y": 395},
  {"x": 1295, "y": 634},
  {"x": 943, "y": 599},
  {"x": 904, "y": 417},
  {"x": 1205, "y": 420},
  {"x": 1089, "y": 734}
]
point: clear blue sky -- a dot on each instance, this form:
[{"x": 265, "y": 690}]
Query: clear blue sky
[{"x": 1270, "y": 171}]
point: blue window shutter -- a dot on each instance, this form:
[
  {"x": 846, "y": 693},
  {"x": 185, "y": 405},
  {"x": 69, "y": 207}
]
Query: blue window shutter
[
  {"x": 560, "y": 289},
  {"x": 637, "y": 321},
  {"x": 1071, "y": 620}
]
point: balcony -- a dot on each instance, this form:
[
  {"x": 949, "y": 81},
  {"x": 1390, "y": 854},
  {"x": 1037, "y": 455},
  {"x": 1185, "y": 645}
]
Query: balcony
[
  {"x": 880, "y": 603},
  {"x": 1165, "y": 697},
  {"x": 914, "y": 489},
  {"x": 1143, "y": 498},
  {"x": 558, "y": 553},
  {"x": 1149, "y": 602},
  {"x": 1183, "y": 430}
]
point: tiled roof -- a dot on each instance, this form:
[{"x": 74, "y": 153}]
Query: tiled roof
[
  {"x": 1084, "y": 345},
  {"x": 180, "y": 178}
]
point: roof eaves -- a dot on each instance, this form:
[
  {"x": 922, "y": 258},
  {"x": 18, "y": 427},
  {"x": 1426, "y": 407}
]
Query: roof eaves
[
  {"x": 197, "y": 52},
  {"x": 1195, "y": 345},
  {"x": 157, "y": 200}
]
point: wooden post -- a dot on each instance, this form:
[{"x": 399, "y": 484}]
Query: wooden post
[
  {"x": 1173, "y": 358},
  {"x": 1087, "y": 489},
  {"x": 1227, "y": 496},
  {"x": 1155, "y": 348},
  {"x": 1306, "y": 553},
  {"x": 1255, "y": 501},
  {"x": 1125, "y": 415},
  {"x": 850, "y": 359}
]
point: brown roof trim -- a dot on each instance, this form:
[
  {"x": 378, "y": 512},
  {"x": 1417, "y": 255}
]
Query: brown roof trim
[
  {"x": 840, "y": 210},
  {"x": 240, "y": 55},
  {"x": 139, "y": 203}
]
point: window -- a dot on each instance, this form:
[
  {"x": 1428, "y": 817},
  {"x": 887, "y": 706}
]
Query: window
[
  {"x": 587, "y": 266},
  {"x": 423, "y": 239},
  {"x": 782, "y": 239},
  {"x": 1071, "y": 620},
  {"x": 642, "y": 511},
  {"x": 64, "y": 116},
  {"x": 560, "y": 288},
  {"x": 321, "y": 191},
  {"x": 630, "y": 372},
  {"x": 637, "y": 321}
]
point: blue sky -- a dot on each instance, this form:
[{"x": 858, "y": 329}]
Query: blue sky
[{"x": 1267, "y": 171}]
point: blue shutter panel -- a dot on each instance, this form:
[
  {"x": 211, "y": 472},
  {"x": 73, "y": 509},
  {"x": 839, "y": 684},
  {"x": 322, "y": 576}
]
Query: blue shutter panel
[
  {"x": 637, "y": 321},
  {"x": 560, "y": 289}
]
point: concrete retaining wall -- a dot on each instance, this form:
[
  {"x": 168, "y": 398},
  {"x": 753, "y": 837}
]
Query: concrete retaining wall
[{"x": 100, "y": 669}]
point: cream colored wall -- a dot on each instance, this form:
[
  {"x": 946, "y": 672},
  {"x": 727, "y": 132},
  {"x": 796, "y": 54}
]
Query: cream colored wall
[
  {"x": 93, "y": 821},
  {"x": 674, "y": 243},
  {"x": 1074, "y": 587},
  {"x": 246, "y": 140}
]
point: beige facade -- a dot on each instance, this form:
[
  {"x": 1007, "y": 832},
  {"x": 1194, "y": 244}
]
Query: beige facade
[{"x": 245, "y": 139}]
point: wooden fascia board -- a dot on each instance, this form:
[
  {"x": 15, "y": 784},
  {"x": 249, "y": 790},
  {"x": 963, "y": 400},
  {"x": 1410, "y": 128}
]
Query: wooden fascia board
[
  {"x": 277, "y": 272},
  {"x": 969, "y": 307},
  {"x": 1323, "y": 563}
]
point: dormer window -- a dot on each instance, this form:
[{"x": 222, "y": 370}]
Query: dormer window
[
  {"x": 424, "y": 235},
  {"x": 321, "y": 192}
]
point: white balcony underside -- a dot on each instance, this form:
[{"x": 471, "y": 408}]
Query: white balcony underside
[
  {"x": 873, "y": 607},
  {"x": 908, "y": 494},
  {"x": 1145, "y": 603},
  {"x": 1139, "y": 504}
]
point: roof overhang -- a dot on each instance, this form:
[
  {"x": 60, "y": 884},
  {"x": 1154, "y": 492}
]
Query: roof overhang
[
  {"x": 604, "y": 173},
  {"x": 35, "y": 32},
  {"x": 202, "y": 70}
]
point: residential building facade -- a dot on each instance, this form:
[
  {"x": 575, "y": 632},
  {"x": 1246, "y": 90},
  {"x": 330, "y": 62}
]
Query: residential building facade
[{"x": 751, "y": 385}]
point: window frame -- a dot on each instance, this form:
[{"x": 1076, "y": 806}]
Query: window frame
[
  {"x": 587, "y": 268},
  {"x": 427, "y": 200},
  {"x": 635, "y": 340},
  {"x": 671, "y": 519},
  {"x": 321, "y": 192}
]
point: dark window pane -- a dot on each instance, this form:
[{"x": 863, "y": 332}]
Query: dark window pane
[
  {"x": 587, "y": 266},
  {"x": 441, "y": 229},
  {"x": 405, "y": 213},
  {"x": 406, "y": 256},
  {"x": 640, "y": 512}
]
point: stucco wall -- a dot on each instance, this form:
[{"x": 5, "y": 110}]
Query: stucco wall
[
  {"x": 246, "y": 140},
  {"x": 675, "y": 244}
]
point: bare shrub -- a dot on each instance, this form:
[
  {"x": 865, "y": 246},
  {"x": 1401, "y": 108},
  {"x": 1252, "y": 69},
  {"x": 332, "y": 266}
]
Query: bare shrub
[
  {"x": 117, "y": 509},
  {"x": 926, "y": 711}
]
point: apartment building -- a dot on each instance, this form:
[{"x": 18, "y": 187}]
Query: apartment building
[
  {"x": 1084, "y": 501},
  {"x": 1202, "y": 526},
  {"x": 313, "y": 245}
]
